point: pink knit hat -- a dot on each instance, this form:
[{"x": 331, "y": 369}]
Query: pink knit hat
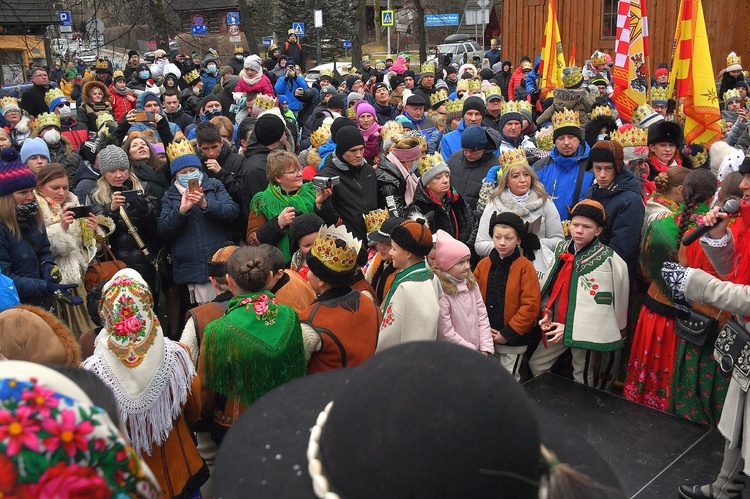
[{"x": 449, "y": 251}]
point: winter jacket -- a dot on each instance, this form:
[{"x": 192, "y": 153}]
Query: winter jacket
[
  {"x": 190, "y": 102},
  {"x": 293, "y": 51},
  {"x": 254, "y": 166},
  {"x": 209, "y": 82},
  {"x": 516, "y": 79},
  {"x": 453, "y": 215},
  {"x": 467, "y": 176},
  {"x": 180, "y": 118},
  {"x": 195, "y": 236},
  {"x": 451, "y": 141},
  {"x": 63, "y": 153},
  {"x": 156, "y": 180},
  {"x": 32, "y": 100},
  {"x": 502, "y": 78},
  {"x": 232, "y": 171},
  {"x": 425, "y": 92},
  {"x": 428, "y": 128},
  {"x": 75, "y": 132},
  {"x": 391, "y": 187},
  {"x": 237, "y": 65},
  {"x": 264, "y": 86},
  {"x": 575, "y": 99},
  {"x": 385, "y": 113},
  {"x": 22, "y": 258},
  {"x": 120, "y": 103},
  {"x": 85, "y": 180},
  {"x": 463, "y": 316},
  {"x": 559, "y": 176},
  {"x": 623, "y": 204},
  {"x": 157, "y": 129},
  {"x": 286, "y": 86}
]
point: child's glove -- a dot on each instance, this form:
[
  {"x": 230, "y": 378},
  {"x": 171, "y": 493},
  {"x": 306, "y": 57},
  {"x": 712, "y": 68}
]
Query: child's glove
[{"x": 492, "y": 174}]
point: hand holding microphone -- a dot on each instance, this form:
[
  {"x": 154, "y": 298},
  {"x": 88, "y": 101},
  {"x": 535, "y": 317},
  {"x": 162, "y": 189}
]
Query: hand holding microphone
[{"x": 730, "y": 207}]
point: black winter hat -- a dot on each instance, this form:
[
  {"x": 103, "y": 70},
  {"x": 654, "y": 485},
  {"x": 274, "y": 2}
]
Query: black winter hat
[
  {"x": 511, "y": 220},
  {"x": 340, "y": 123},
  {"x": 269, "y": 129},
  {"x": 207, "y": 99},
  {"x": 590, "y": 209},
  {"x": 666, "y": 131},
  {"x": 338, "y": 101},
  {"x": 302, "y": 225},
  {"x": 486, "y": 74},
  {"x": 383, "y": 234},
  {"x": 409, "y": 72},
  {"x": 414, "y": 236},
  {"x": 475, "y": 103},
  {"x": 348, "y": 138}
]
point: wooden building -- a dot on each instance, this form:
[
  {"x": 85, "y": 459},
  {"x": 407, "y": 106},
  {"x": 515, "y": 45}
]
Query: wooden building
[
  {"x": 23, "y": 26},
  {"x": 592, "y": 25}
]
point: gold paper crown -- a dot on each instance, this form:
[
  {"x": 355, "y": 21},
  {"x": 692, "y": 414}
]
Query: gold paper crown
[
  {"x": 525, "y": 105},
  {"x": 320, "y": 136},
  {"x": 600, "y": 111},
  {"x": 731, "y": 94},
  {"x": 511, "y": 107},
  {"x": 104, "y": 118},
  {"x": 454, "y": 106},
  {"x": 52, "y": 94},
  {"x": 733, "y": 59},
  {"x": 746, "y": 74},
  {"x": 375, "y": 219},
  {"x": 265, "y": 102},
  {"x": 571, "y": 76},
  {"x": 632, "y": 137},
  {"x": 659, "y": 94},
  {"x": 239, "y": 50},
  {"x": 326, "y": 72},
  {"x": 513, "y": 157},
  {"x": 117, "y": 74},
  {"x": 380, "y": 65},
  {"x": 47, "y": 119},
  {"x": 644, "y": 115},
  {"x": 475, "y": 84},
  {"x": 493, "y": 91},
  {"x": 545, "y": 139},
  {"x": 179, "y": 148},
  {"x": 328, "y": 248},
  {"x": 192, "y": 77},
  {"x": 8, "y": 100},
  {"x": 598, "y": 58},
  {"x": 438, "y": 97},
  {"x": 427, "y": 68},
  {"x": 429, "y": 162},
  {"x": 390, "y": 128},
  {"x": 351, "y": 113},
  {"x": 102, "y": 64},
  {"x": 697, "y": 159},
  {"x": 566, "y": 117}
]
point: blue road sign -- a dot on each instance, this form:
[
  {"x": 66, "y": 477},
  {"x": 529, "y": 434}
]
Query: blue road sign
[
  {"x": 233, "y": 18},
  {"x": 267, "y": 41},
  {"x": 436, "y": 20},
  {"x": 198, "y": 29},
  {"x": 347, "y": 44},
  {"x": 65, "y": 19},
  {"x": 299, "y": 28}
]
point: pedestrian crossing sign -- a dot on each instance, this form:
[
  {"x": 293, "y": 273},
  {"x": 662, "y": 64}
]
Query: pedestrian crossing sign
[
  {"x": 299, "y": 28},
  {"x": 386, "y": 18}
]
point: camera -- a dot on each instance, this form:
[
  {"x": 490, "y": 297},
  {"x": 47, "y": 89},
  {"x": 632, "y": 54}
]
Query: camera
[{"x": 325, "y": 182}]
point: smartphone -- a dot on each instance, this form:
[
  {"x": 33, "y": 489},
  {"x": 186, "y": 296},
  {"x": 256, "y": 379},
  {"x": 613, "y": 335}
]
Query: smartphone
[
  {"x": 131, "y": 195},
  {"x": 193, "y": 185},
  {"x": 80, "y": 211},
  {"x": 144, "y": 116}
]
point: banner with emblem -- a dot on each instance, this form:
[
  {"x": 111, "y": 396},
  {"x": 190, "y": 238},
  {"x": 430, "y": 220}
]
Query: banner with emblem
[
  {"x": 552, "y": 61},
  {"x": 631, "y": 72}
]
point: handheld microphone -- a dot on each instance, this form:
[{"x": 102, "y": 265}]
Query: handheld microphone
[{"x": 730, "y": 207}]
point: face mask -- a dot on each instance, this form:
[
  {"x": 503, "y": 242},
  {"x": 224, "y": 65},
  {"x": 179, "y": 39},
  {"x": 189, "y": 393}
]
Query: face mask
[
  {"x": 144, "y": 75},
  {"x": 65, "y": 112},
  {"x": 239, "y": 57},
  {"x": 25, "y": 212},
  {"x": 183, "y": 178},
  {"x": 213, "y": 113},
  {"x": 211, "y": 68},
  {"x": 52, "y": 137}
]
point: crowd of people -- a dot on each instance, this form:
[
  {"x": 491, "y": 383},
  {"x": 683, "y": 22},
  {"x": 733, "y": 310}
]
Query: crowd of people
[{"x": 197, "y": 232}]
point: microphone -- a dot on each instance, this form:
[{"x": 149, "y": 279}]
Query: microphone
[{"x": 730, "y": 207}]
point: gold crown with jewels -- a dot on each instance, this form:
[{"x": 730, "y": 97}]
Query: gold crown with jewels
[
  {"x": 265, "y": 102},
  {"x": 192, "y": 77},
  {"x": 320, "y": 136},
  {"x": 545, "y": 139},
  {"x": 47, "y": 119},
  {"x": 52, "y": 94},
  {"x": 512, "y": 107},
  {"x": 380, "y": 65},
  {"x": 513, "y": 157},
  {"x": 598, "y": 58},
  {"x": 731, "y": 95},
  {"x": 564, "y": 118},
  {"x": 104, "y": 118},
  {"x": 390, "y": 128},
  {"x": 600, "y": 111},
  {"x": 475, "y": 84},
  {"x": 438, "y": 97},
  {"x": 102, "y": 64},
  {"x": 733, "y": 59},
  {"x": 493, "y": 91},
  {"x": 427, "y": 68},
  {"x": 428, "y": 162},
  {"x": 632, "y": 137},
  {"x": 659, "y": 94},
  {"x": 326, "y": 72},
  {"x": 571, "y": 76},
  {"x": 336, "y": 248},
  {"x": 375, "y": 219},
  {"x": 179, "y": 148}
]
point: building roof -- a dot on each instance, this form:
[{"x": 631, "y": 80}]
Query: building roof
[{"x": 28, "y": 12}]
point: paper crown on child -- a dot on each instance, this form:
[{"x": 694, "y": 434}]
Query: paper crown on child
[
  {"x": 117, "y": 75},
  {"x": 600, "y": 111},
  {"x": 320, "y": 136},
  {"x": 336, "y": 248},
  {"x": 54, "y": 97},
  {"x": 379, "y": 65},
  {"x": 265, "y": 102},
  {"x": 565, "y": 118},
  {"x": 104, "y": 118},
  {"x": 437, "y": 98},
  {"x": 47, "y": 119},
  {"x": 513, "y": 157},
  {"x": 572, "y": 77},
  {"x": 374, "y": 220},
  {"x": 631, "y": 137},
  {"x": 192, "y": 77},
  {"x": 181, "y": 154},
  {"x": 545, "y": 139},
  {"x": 734, "y": 62},
  {"x": 732, "y": 95},
  {"x": 475, "y": 84},
  {"x": 598, "y": 58},
  {"x": 660, "y": 95},
  {"x": 644, "y": 116}
]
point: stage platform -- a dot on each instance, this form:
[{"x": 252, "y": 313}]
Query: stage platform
[{"x": 651, "y": 452}]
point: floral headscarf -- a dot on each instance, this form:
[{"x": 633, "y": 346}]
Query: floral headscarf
[{"x": 55, "y": 443}]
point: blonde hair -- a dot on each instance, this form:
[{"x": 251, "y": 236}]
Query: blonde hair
[
  {"x": 8, "y": 215},
  {"x": 103, "y": 192},
  {"x": 535, "y": 186}
]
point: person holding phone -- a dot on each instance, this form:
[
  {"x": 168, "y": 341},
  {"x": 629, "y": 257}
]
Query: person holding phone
[
  {"x": 72, "y": 237},
  {"x": 113, "y": 198}
]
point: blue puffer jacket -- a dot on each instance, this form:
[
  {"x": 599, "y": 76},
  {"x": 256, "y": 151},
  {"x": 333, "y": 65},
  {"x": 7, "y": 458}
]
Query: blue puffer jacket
[
  {"x": 21, "y": 259},
  {"x": 195, "y": 236},
  {"x": 559, "y": 175},
  {"x": 287, "y": 86}
]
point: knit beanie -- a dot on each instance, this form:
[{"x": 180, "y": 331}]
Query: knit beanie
[
  {"x": 112, "y": 158},
  {"x": 507, "y": 218},
  {"x": 352, "y": 97},
  {"x": 14, "y": 174},
  {"x": 590, "y": 209},
  {"x": 510, "y": 116},
  {"x": 365, "y": 107},
  {"x": 474, "y": 137},
  {"x": 448, "y": 251},
  {"x": 435, "y": 170},
  {"x": 413, "y": 236},
  {"x": 206, "y": 100},
  {"x": 34, "y": 147},
  {"x": 253, "y": 62},
  {"x": 745, "y": 166},
  {"x": 150, "y": 96},
  {"x": 338, "y": 101},
  {"x": 348, "y": 138},
  {"x": 131, "y": 53},
  {"x": 606, "y": 151},
  {"x": 269, "y": 129},
  {"x": 351, "y": 80},
  {"x": 302, "y": 225},
  {"x": 475, "y": 103},
  {"x": 338, "y": 124}
]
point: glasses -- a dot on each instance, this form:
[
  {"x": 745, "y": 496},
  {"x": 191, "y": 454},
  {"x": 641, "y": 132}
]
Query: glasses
[{"x": 294, "y": 172}]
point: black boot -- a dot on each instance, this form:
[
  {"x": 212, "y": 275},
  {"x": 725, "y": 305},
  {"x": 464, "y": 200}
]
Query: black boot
[{"x": 729, "y": 483}]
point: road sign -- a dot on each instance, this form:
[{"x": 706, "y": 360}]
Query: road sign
[
  {"x": 318, "y": 14},
  {"x": 198, "y": 29},
  {"x": 386, "y": 18},
  {"x": 267, "y": 41},
  {"x": 347, "y": 44},
  {"x": 234, "y": 30},
  {"x": 65, "y": 19},
  {"x": 436, "y": 20},
  {"x": 299, "y": 28},
  {"x": 233, "y": 18},
  {"x": 235, "y": 39},
  {"x": 197, "y": 19}
]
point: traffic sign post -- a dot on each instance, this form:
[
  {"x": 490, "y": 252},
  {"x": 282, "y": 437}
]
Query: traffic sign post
[
  {"x": 196, "y": 19},
  {"x": 233, "y": 18},
  {"x": 198, "y": 30},
  {"x": 299, "y": 28},
  {"x": 347, "y": 46},
  {"x": 66, "y": 21},
  {"x": 386, "y": 18},
  {"x": 267, "y": 41}
]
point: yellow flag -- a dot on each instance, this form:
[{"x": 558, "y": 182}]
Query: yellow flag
[
  {"x": 692, "y": 76},
  {"x": 553, "y": 60},
  {"x": 631, "y": 49}
]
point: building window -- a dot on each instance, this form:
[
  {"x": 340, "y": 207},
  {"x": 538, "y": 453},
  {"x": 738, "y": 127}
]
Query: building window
[{"x": 609, "y": 19}]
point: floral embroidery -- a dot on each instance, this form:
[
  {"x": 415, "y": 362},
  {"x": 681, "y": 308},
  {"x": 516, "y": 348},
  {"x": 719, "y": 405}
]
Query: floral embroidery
[
  {"x": 387, "y": 317},
  {"x": 131, "y": 334},
  {"x": 265, "y": 308},
  {"x": 588, "y": 284}
]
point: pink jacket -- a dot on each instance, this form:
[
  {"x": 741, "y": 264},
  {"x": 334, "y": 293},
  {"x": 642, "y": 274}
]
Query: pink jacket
[
  {"x": 463, "y": 316},
  {"x": 262, "y": 87}
]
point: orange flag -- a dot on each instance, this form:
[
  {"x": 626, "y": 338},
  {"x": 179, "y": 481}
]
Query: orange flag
[{"x": 630, "y": 73}]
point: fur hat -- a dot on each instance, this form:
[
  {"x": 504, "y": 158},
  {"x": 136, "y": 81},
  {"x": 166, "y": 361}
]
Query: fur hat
[
  {"x": 413, "y": 236},
  {"x": 88, "y": 87},
  {"x": 35, "y": 335},
  {"x": 666, "y": 131},
  {"x": 448, "y": 251},
  {"x": 307, "y": 223},
  {"x": 608, "y": 152},
  {"x": 594, "y": 128},
  {"x": 510, "y": 219},
  {"x": 590, "y": 209}
]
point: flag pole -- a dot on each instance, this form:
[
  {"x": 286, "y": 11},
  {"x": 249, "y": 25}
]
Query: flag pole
[{"x": 646, "y": 59}]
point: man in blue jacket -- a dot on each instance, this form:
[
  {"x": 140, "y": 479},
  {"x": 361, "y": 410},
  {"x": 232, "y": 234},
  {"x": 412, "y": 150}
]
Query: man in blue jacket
[
  {"x": 473, "y": 114},
  {"x": 289, "y": 85}
]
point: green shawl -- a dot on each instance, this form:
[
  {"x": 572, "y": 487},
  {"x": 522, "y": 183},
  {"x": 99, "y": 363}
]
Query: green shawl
[
  {"x": 254, "y": 348},
  {"x": 271, "y": 202}
]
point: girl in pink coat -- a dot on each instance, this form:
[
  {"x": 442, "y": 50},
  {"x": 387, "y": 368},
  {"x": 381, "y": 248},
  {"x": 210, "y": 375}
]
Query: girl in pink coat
[{"x": 252, "y": 78}]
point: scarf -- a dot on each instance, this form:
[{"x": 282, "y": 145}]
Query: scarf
[
  {"x": 26, "y": 213},
  {"x": 265, "y": 348},
  {"x": 251, "y": 81},
  {"x": 516, "y": 143},
  {"x": 450, "y": 198},
  {"x": 411, "y": 180},
  {"x": 113, "y": 89},
  {"x": 497, "y": 280},
  {"x": 98, "y": 107},
  {"x": 561, "y": 288},
  {"x": 370, "y": 132},
  {"x": 149, "y": 375},
  {"x": 657, "y": 166},
  {"x": 520, "y": 199},
  {"x": 507, "y": 201},
  {"x": 272, "y": 201}
]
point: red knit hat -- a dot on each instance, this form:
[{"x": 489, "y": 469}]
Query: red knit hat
[{"x": 14, "y": 175}]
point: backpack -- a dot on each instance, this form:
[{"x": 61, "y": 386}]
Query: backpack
[{"x": 8, "y": 294}]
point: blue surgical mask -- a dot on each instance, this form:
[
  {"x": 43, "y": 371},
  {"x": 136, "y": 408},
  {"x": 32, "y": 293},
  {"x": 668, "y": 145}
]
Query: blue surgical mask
[
  {"x": 213, "y": 113},
  {"x": 211, "y": 68},
  {"x": 144, "y": 75},
  {"x": 183, "y": 178},
  {"x": 240, "y": 57}
]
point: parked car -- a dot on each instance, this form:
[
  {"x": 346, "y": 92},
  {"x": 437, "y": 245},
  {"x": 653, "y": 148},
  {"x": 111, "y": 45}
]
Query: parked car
[
  {"x": 86, "y": 55},
  {"x": 340, "y": 67},
  {"x": 458, "y": 45},
  {"x": 173, "y": 47},
  {"x": 17, "y": 90}
]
